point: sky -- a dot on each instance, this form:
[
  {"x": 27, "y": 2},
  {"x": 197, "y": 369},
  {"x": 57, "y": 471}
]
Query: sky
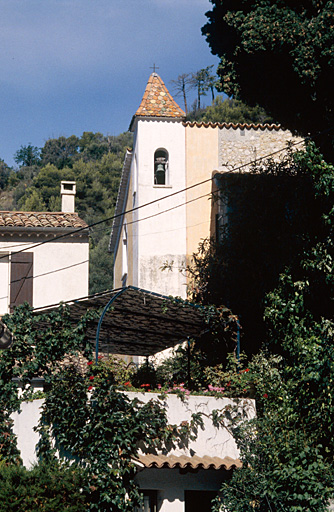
[{"x": 69, "y": 66}]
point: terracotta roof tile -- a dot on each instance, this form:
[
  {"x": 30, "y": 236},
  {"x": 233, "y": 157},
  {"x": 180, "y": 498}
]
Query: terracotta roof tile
[
  {"x": 235, "y": 126},
  {"x": 184, "y": 461},
  {"x": 41, "y": 220},
  {"x": 157, "y": 102}
]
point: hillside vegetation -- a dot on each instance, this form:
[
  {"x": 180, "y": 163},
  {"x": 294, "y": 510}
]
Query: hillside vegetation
[{"x": 95, "y": 162}]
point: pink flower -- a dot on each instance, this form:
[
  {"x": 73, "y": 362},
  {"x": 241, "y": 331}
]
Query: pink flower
[{"x": 159, "y": 386}]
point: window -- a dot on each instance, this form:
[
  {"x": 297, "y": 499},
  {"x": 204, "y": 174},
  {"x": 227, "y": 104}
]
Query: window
[
  {"x": 161, "y": 167},
  {"x": 149, "y": 502},
  {"x": 21, "y": 279},
  {"x": 16, "y": 280}
]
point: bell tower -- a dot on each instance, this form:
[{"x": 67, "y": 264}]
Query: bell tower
[{"x": 157, "y": 171}]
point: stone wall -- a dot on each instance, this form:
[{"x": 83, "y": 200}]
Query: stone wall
[{"x": 239, "y": 146}]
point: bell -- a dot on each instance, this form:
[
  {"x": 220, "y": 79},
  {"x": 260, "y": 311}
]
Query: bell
[{"x": 159, "y": 175}]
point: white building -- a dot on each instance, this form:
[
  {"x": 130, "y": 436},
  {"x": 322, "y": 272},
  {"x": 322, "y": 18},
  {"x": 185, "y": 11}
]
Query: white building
[
  {"x": 44, "y": 256},
  {"x": 171, "y": 170}
]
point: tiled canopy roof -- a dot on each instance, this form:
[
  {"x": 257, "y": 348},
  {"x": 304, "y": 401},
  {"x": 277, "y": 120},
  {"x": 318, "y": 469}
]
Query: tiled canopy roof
[
  {"x": 183, "y": 462},
  {"x": 157, "y": 102},
  {"x": 41, "y": 220}
]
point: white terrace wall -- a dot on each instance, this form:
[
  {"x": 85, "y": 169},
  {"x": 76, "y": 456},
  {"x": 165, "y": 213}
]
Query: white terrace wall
[{"x": 210, "y": 441}]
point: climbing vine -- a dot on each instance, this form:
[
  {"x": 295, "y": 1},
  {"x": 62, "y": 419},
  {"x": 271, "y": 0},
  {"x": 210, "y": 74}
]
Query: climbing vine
[
  {"x": 85, "y": 419},
  {"x": 41, "y": 344},
  {"x": 102, "y": 429}
]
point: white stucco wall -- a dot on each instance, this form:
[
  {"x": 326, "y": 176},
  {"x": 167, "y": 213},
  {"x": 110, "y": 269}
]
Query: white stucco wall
[
  {"x": 170, "y": 484},
  {"x": 60, "y": 269},
  {"x": 24, "y": 423},
  {"x": 160, "y": 238},
  {"x": 210, "y": 441}
]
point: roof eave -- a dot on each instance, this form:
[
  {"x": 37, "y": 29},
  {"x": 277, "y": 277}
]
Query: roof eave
[
  {"x": 80, "y": 231},
  {"x": 137, "y": 118},
  {"x": 120, "y": 202}
]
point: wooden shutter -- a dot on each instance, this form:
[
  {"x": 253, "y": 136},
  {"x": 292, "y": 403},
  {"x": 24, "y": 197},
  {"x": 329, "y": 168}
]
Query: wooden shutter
[{"x": 21, "y": 281}]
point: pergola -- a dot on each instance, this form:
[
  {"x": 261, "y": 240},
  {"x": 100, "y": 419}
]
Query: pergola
[{"x": 134, "y": 321}]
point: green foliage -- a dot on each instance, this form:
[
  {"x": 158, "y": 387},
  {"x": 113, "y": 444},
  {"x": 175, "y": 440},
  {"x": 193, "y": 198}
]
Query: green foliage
[
  {"x": 230, "y": 111},
  {"x": 61, "y": 152},
  {"x": 27, "y": 156},
  {"x": 95, "y": 162},
  {"x": 41, "y": 343},
  {"x": 278, "y": 54},
  {"x": 33, "y": 203},
  {"x": 96, "y": 428},
  {"x": 272, "y": 215},
  {"x": 44, "y": 487},
  {"x": 288, "y": 450},
  {"x": 287, "y": 458},
  {"x": 102, "y": 429},
  {"x": 5, "y": 172}
]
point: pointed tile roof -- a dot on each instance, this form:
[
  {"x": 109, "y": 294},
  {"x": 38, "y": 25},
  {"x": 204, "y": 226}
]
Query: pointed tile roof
[{"x": 157, "y": 101}]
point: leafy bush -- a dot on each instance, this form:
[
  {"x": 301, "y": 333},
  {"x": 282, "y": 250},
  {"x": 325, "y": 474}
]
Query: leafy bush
[{"x": 43, "y": 488}]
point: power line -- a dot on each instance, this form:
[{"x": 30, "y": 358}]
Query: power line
[
  {"x": 131, "y": 210},
  {"x": 27, "y": 278},
  {"x": 139, "y": 207}
]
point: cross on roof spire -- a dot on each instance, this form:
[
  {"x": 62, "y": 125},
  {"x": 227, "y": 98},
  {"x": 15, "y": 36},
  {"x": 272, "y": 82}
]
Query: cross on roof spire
[{"x": 154, "y": 67}]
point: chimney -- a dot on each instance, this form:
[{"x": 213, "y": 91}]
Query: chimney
[{"x": 67, "y": 192}]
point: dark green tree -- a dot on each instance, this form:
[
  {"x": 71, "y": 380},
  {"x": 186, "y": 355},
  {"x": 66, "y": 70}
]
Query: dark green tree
[
  {"x": 278, "y": 54},
  {"x": 5, "y": 172},
  {"x": 93, "y": 146},
  {"x": 230, "y": 111},
  {"x": 44, "y": 487},
  {"x": 61, "y": 152},
  {"x": 27, "y": 156},
  {"x": 271, "y": 213}
]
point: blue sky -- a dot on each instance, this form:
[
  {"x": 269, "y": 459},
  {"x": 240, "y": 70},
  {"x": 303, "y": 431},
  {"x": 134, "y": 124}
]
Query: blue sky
[{"x": 69, "y": 66}]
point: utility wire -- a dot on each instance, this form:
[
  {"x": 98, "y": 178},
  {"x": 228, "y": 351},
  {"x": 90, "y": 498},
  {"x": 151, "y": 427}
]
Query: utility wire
[
  {"x": 86, "y": 261},
  {"x": 131, "y": 210},
  {"x": 27, "y": 278}
]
